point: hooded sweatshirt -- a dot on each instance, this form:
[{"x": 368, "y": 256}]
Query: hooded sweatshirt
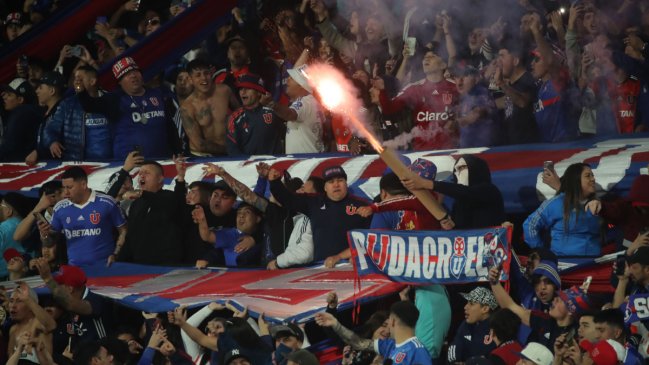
[{"x": 478, "y": 205}]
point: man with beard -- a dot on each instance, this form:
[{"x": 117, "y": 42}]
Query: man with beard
[
  {"x": 140, "y": 117},
  {"x": 254, "y": 129},
  {"x": 431, "y": 101},
  {"x": 204, "y": 112},
  {"x": 74, "y": 134}
]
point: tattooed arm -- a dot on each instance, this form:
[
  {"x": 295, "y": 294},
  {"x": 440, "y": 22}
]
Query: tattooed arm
[
  {"x": 197, "y": 141},
  {"x": 62, "y": 295},
  {"x": 348, "y": 336},
  {"x": 239, "y": 188}
]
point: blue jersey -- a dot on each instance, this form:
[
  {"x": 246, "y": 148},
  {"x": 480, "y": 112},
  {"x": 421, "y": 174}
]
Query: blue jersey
[
  {"x": 227, "y": 239},
  {"x": 411, "y": 351},
  {"x": 143, "y": 123},
  {"x": 552, "y": 113},
  {"x": 88, "y": 228}
]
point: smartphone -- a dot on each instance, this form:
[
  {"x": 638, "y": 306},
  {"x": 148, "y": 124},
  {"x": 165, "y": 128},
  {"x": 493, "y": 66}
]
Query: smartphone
[
  {"x": 102, "y": 20},
  {"x": 620, "y": 265},
  {"x": 39, "y": 217},
  {"x": 137, "y": 148},
  {"x": 548, "y": 165},
  {"x": 76, "y": 51},
  {"x": 570, "y": 337}
]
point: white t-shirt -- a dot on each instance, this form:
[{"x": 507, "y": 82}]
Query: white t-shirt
[{"x": 304, "y": 135}]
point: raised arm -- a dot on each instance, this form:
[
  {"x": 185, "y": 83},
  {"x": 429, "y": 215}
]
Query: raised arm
[
  {"x": 207, "y": 235},
  {"x": 180, "y": 319},
  {"x": 285, "y": 197},
  {"x": 504, "y": 299},
  {"x": 348, "y": 336},
  {"x": 60, "y": 294},
  {"x": 238, "y": 187}
]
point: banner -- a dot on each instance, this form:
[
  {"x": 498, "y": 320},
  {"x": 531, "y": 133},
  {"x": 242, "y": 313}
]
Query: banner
[
  {"x": 283, "y": 295},
  {"x": 516, "y": 170},
  {"x": 425, "y": 257},
  {"x": 637, "y": 308}
]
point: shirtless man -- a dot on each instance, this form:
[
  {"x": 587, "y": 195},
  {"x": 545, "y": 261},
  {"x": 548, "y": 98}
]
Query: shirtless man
[
  {"x": 28, "y": 317},
  {"x": 204, "y": 113}
]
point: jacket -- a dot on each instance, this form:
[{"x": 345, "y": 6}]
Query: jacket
[
  {"x": 328, "y": 239},
  {"x": 19, "y": 134},
  {"x": 581, "y": 238},
  {"x": 478, "y": 205},
  {"x": 155, "y": 229},
  {"x": 84, "y": 135}
]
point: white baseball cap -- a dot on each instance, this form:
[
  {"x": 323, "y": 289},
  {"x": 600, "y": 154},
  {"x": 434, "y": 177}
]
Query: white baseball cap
[
  {"x": 298, "y": 75},
  {"x": 537, "y": 353}
]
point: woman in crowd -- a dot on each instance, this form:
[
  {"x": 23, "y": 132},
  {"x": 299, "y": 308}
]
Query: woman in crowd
[{"x": 573, "y": 229}]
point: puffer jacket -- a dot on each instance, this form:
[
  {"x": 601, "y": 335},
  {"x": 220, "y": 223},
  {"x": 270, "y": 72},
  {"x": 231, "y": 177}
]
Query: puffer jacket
[{"x": 84, "y": 135}]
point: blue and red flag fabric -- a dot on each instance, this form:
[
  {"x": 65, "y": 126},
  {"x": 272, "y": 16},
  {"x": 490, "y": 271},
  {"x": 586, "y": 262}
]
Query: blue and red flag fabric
[
  {"x": 427, "y": 257},
  {"x": 516, "y": 170}
]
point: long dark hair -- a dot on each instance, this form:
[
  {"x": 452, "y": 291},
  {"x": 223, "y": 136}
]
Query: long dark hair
[{"x": 571, "y": 188}]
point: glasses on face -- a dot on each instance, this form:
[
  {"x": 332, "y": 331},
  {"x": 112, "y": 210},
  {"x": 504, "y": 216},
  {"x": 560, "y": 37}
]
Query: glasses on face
[{"x": 154, "y": 21}]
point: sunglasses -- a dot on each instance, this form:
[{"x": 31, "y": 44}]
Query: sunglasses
[{"x": 154, "y": 21}]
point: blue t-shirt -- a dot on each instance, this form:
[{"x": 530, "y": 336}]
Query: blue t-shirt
[
  {"x": 7, "y": 229},
  {"x": 227, "y": 239},
  {"x": 88, "y": 228},
  {"x": 410, "y": 352}
]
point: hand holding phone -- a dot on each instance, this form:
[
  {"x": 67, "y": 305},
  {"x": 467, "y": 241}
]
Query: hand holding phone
[{"x": 39, "y": 217}]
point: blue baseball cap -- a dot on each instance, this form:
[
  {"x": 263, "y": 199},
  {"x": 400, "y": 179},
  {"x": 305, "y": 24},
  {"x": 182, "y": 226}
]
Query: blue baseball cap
[{"x": 424, "y": 168}]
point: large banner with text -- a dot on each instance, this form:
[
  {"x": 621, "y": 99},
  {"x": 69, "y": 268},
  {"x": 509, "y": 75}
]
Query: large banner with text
[{"x": 425, "y": 257}]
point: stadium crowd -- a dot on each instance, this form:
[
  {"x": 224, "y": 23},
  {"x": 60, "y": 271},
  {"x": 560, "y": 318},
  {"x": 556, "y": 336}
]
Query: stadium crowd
[{"x": 429, "y": 75}]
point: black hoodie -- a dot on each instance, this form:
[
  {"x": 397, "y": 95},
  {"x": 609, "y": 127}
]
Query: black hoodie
[{"x": 478, "y": 205}]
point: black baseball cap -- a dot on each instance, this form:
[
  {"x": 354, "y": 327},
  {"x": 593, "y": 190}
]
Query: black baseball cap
[
  {"x": 222, "y": 185},
  {"x": 285, "y": 330},
  {"x": 19, "y": 86},
  {"x": 333, "y": 172},
  {"x": 54, "y": 79},
  {"x": 233, "y": 355}
]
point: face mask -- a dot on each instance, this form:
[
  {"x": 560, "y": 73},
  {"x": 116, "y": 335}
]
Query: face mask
[
  {"x": 281, "y": 354},
  {"x": 462, "y": 172}
]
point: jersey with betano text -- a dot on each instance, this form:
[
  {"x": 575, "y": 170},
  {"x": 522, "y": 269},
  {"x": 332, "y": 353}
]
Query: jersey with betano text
[
  {"x": 432, "y": 105},
  {"x": 88, "y": 228}
]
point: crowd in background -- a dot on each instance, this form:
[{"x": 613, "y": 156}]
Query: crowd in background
[{"x": 428, "y": 74}]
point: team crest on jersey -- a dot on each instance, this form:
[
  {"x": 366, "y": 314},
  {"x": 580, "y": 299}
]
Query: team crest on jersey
[
  {"x": 268, "y": 118},
  {"x": 399, "y": 358},
  {"x": 67, "y": 220},
  {"x": 447, "y": 98},
  {"x": 350, "y": 209},
  {"x": 154, "y": 101},
  {"x": 95, "y": 217},
  {"x": 458, "y": 260}
]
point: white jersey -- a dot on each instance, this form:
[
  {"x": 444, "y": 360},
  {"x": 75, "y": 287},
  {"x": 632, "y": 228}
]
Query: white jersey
[{"x": 304, "y": 135}]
